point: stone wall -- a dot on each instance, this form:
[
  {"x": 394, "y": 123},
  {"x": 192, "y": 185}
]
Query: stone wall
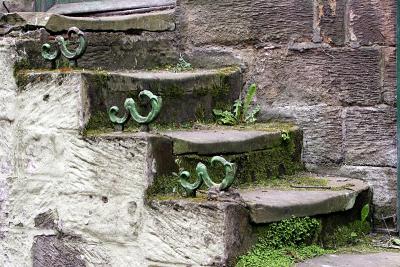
[
  {"x": 328, "y": 65},
  {"x": 17, "y": 6}
]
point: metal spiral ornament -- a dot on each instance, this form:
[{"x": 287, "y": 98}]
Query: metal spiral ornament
[{"x": 132, "y": 111}]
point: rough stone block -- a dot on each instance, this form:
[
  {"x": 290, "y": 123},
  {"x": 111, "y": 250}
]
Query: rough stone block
[
  {"x": 187, "y": 96},
  {"x": 331, "y": 76},
  {"x": 53, "y": 251},
  {"x": 330, "y": 21},
  {"x": 322, "y": 130},
  {"x": 6, "y": 149},
  {"x": 17, "y": 6},
  {"x": 269, "y": 205},
  {"x": 372, "y": 22},
  {"x": 172, "y": 234},
  {"x": 370, "y": 136},
  {"x": 103, "y": 181},
  {"x": 113, "y": 51},
  {"x": 238, "y": 22},
  {"x": 389, "y": 76},
  {"x": 51, "y": 100},
  {"x": 7, "y": 58}
]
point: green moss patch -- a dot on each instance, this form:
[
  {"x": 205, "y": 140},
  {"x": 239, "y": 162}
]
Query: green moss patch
[{"x": 281, "y": 244}]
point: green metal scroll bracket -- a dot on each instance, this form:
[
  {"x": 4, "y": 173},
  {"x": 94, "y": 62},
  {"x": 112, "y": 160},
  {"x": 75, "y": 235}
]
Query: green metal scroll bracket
[
  {"x": 132, "y": 111},
  {"x": 50, "y": 56},
  {"x": 62, "y": 48},
  {"x": 72, "y": 55},
  {"x": 189, "y": 188},
  {"x": 230, "y": 171},
  {"x": 203, "y": 176}
]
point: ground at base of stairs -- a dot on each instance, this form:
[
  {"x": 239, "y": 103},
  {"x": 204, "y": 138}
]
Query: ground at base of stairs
[{"x": 384, "y": 259}]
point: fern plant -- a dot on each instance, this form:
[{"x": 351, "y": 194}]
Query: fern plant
[
  {"x": 241, "y": 111},
  {"x": 182, "y": 65}
]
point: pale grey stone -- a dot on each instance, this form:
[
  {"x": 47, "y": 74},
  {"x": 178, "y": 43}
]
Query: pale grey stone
[
  {"x": 186, "y": 233},
  {"x": 370, "y": 136},
  {"x": 322, "y": 130},
  {"x": 209, "y": 142}
]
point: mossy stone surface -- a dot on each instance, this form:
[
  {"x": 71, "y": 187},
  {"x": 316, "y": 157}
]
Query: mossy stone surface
[{"x": 182, "y": 101}]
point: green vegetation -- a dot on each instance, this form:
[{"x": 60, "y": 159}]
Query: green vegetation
[
  {"x": 283, "y": 243},
  {"x": 241, "y": 112},
  {"x": 294, "y": 240},
  {"x": 182, "y": 65},
  {"x": 352, "y": 233}
]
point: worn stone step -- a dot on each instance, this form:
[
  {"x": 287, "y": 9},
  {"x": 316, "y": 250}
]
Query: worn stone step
[
  {"x": 187, "y": 96},
  {"x": 108, "y": 6},
  {"x": 271, "y": 205},
  {"x": 258, "y": 150},
  {"x": 224, "y": 141},
  {"x": 157, "y": 21}
]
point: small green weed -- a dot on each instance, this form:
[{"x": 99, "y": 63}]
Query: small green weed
[
  {"x": 182, "y": 65},
  {"x": 241, "y": 111}
]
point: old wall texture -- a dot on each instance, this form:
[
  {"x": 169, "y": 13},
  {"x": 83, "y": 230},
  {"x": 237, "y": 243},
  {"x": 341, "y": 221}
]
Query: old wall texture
[
  {"x": 328, "y": 65},
  {"x": 17, "y": 6}
]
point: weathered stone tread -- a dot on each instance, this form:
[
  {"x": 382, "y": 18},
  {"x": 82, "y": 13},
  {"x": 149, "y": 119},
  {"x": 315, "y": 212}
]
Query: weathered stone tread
[
  {"x": 154, "y": 21},
  {"x": 209, "y": 142},
  {"x": 270, "y": 205}
]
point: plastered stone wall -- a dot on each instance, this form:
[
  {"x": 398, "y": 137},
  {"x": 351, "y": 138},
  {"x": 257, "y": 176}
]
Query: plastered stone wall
[
  {"x": 17, "y": 6},
  {"x": 67, "y": 200},
  {"x": 328, "y": 65}
]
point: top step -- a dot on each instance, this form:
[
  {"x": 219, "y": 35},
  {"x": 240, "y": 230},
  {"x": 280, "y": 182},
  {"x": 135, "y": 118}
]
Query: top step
[{"x": 157, "y": 21}]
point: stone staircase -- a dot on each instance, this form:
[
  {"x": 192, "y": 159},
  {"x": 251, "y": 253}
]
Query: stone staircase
[{"x": 84, "y": 195}]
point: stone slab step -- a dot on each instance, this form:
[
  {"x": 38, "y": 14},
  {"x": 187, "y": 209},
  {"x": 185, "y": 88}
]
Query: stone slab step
[
  {"x": 210, "y": 142},
  {"x": 258, "y": 150},
  {"x": 187, "y": 96},
  {"x": 271, "y": 205},
  {"x": 154, "y": 21},
  {"x": 107, "y": 5}
]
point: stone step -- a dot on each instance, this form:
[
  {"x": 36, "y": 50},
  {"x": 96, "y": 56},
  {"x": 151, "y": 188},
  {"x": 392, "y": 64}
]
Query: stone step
[
  {"x": 158, "y": 21},
  {"x": 212, "y": 142},
  {"x": 187, "y": 96},
  {"x": 271, "y": 205},
  {"x": 95, "y": 7},
  {"x": 258, "y": 150}
]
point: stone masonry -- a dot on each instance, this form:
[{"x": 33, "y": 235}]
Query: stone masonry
[{"x": 328, "y": 65}]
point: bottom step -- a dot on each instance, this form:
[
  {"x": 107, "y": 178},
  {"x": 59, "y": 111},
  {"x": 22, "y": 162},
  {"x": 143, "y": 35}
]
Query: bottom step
[
  {"x": 198, "y": 232},
  {"x": 271, "y": 205}
]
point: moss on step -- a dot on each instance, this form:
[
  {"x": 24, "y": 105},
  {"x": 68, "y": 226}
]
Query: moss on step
[
  {"x": 281, "y": 244},
  {"x": 254, "y": 167},
  {"x": 185, "y": 98}
]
